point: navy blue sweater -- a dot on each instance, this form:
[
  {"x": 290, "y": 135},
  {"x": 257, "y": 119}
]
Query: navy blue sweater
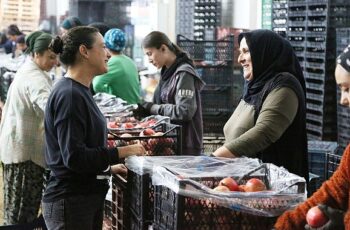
[{"x": 76, "y": 140}]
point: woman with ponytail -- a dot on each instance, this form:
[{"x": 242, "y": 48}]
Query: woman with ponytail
[
  {"x": 178, "y": 92},
  {"x": 22, "y": 132},
  {"x": 76, "y": 137}
]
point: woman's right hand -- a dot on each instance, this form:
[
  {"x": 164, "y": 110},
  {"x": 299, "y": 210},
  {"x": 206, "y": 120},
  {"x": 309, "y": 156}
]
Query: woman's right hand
[{"x": 130, "y": 150}]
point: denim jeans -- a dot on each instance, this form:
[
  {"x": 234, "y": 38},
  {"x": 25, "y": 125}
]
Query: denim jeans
[{"x": 83, "y": 212}]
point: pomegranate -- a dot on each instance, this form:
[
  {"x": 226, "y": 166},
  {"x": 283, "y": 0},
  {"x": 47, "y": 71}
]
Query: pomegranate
[
  {"x": 230, "y": 183},
  {"x": 316, "y": 218},
  {"x": 221, "y": 188},
  {"x": 254, "y": 185}
]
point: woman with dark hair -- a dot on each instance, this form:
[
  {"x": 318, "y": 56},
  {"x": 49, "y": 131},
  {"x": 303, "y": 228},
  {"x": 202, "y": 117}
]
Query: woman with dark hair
[
  {"x": 76, "y": 137},
  {"x": 13, "y": 33},
  {"x": 270, "y": 121},
  {"x": 22, "y": 132},
  {"x": 333, "y": 196},
  {"x": 178, "y": 92}
]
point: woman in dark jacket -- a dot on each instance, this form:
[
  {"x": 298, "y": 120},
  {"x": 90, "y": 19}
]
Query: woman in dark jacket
[
  {"x": 269, "y": 122},
  {"x": 178, "y": 92}
]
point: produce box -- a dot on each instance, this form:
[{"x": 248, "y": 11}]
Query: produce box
[
  {"x": 162, "y": 139},
  {"x": 185, "y": 197}
]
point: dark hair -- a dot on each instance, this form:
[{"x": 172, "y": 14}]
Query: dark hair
[
  {"x": 101, "y": 26},
  {"x": 13, "y": 30},
  {"x": 68, "y": 46},
  {"x": 156, "y": 39}
]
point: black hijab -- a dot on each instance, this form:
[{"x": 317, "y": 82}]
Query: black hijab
[
  {"x": 270, "y": 54},
  {"x": 344, "y": 59}
]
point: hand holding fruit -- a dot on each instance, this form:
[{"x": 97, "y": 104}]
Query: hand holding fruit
[
  {"x": 129, "y": 150},
  {"x": 119, "y": 169},
  {"x": 323, "y": 217}
]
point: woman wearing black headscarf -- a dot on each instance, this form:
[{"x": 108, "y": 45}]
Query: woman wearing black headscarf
[{"x": 269, "y": 122}]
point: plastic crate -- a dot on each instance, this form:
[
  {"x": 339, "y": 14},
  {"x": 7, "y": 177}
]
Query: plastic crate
[
  {"x": 315, "y": 183},
  {"x": 107, "y": 216},
  {"x": 333, "y": 163},
  {"x": 318, "y": 152},
  {"x": 212, "y": 143},
  {"x": 170, "y": 143},
  {"x": 119, "y": 202},
  {"x": 214, "y": 122},
  {"x": 219, "y": 52},
  {"x": 218, "y": 76},
  {"x": 217, "y": 99},
  {"x": 37, "y": 224}
]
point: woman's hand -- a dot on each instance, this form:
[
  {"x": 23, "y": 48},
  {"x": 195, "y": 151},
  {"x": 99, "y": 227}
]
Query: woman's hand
[
  {"x": 130, "y": 150},
  {"x": 223, "y": 152},
  {"x": 119, "y": 169}
]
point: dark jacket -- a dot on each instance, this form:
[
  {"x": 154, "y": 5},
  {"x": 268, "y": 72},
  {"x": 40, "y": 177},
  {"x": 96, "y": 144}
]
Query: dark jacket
[{"x": 182, "y": 103}]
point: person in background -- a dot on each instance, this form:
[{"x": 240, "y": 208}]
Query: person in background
[
  {"x": 178, "y": 92},
  {"x": 12, "y": 33},
  {"x": 333, "y": 196},
  {"x": 21, "y": 45},
  {"x": 76, "y": 137},
  {"x": 101, "y": 26},
  {"x": 68, "y": 23},
  {"x": 22, "y": 132},
  {"x": 270, "y": 121},
  {"x": 5, "y": 42},
  {"x": 122, "y": 78}
]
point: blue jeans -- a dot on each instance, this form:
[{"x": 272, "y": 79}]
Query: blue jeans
[{"x": 83, "y": 212}]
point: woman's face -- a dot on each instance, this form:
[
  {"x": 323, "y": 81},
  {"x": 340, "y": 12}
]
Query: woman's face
[
  {"x": 98, "y": 55},
  {"x": 155, "y": 56},
  {"x": 46, "y": 61},
  {"x": 245, "y": 60},
  {"x": 342, "y": 78}
]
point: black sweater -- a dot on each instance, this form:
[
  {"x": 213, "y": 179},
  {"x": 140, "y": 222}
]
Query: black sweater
[{"x": 76, "y": 140}]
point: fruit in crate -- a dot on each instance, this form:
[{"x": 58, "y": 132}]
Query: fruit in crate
[
  {"x": 221, "y": 188},
  {"x": 127, "y": 125},
  {"x": 241, "y": 188},
  {"x": 147, "y": 132},
  {"x": 126, "y": 135},
  {"x": 112, "y": 125},
  {"x": 230, "y": 183},
  {"x": 316, "y": 218},
  {"x": 254, "y": 185}
]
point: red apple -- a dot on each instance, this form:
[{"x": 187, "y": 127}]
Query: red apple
[
  {"x": 316, "y": 218},
  {"x": 254, "y": 185},
  {"x": 147, "y": 132},
  {"x": 112, "y": 125},
  {"x": 241, "y": 188},
  {"x": 128, "y": 125},
  {"x": 221, "y": 188},
  {"x": 230, "y": 183}
]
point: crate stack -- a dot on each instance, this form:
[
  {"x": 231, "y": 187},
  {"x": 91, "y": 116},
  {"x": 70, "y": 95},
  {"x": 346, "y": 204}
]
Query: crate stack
[
  {"x": 194, "y": 17},
  {"x": 279, "y": 16},
  {"x": 214, "y": 64},
  {"x": 343, "y": 112},
  {"x": 296, "y": 32},
  {"x": 323, "y": 161}
]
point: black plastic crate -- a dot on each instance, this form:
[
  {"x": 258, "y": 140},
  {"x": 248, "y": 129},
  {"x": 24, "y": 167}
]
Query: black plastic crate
[
  {"x": 37, "y": 224},
  {"x": 212, "y": 143},
  {"x": 217, "y": 99},
  {"x": 119, "y": 203},
  {"x": 169, "y": 143},
  {"x": 318, "y": 152},
  {"x": 333, "y": 163},
  {"x": 214, "y": 122},
  {"x": 107, "y": 215},
  {"x": 315, "y": 183},
  {"x": 216, "y": 75},
  {"x": 218, "y": 52}
]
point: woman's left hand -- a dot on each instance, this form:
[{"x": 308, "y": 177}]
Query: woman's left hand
[
  {"x": 119, "y": 169},
  {"x": 223, "y": 152}
]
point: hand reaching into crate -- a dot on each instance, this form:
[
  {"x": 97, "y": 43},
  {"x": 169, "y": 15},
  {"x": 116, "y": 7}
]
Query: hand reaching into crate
[
  {"x": 119, "y": 169},
  {"x": 129, "y": 150}
]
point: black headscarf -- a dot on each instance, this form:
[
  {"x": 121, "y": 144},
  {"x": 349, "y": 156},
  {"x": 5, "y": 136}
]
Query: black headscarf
[{"x": 270, "y": 54}]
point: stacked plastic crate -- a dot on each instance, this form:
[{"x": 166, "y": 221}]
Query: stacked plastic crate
[
  {"x": 343, "y": 112},
  {"x": 279, "y": 16},
  {"x": 194, "y": 17},
  {"x": 214, "y": 64}
]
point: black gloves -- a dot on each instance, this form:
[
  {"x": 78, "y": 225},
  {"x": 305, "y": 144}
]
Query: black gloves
[
  {"x": 336, "y": 219},
  {"x": 143, "y": 110}
]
